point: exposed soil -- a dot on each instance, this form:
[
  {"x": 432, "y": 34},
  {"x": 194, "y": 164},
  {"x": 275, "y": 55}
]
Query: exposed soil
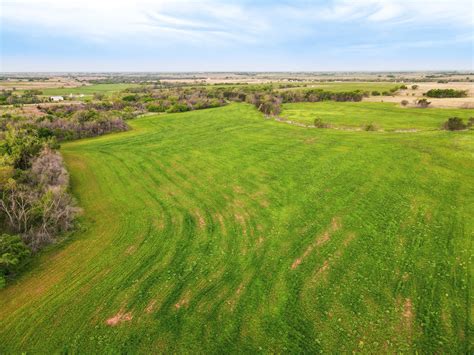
[{"x": 119, "y": 318}]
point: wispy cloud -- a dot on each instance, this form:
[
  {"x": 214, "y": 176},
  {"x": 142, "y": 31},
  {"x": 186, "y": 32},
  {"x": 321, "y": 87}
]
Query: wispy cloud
[
  {"x": 217, "y": 19},
  {"x": 267, "y": 29}
]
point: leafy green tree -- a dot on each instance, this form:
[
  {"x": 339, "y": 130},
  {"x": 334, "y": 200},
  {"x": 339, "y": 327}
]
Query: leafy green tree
[
  {"x": 20, "y": 146},
  {"x": 13, "y": 255}
]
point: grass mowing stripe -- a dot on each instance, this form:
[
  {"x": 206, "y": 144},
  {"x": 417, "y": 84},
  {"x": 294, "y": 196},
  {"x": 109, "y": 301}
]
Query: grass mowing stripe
[{"x": 192, "y": 223}]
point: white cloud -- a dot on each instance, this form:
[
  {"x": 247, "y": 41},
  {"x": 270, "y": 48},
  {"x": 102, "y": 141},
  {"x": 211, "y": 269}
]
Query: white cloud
[
  {"x": 216, "y": 21},
  {"x": 105, "y": 19}
]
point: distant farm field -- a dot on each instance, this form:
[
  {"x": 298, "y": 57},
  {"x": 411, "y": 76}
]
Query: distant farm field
[
  {"x": 88, "y": 89},
  {"x": 352, "y": 86},
  {"x": 217, "y": 231},
  {"x": 387, "y": 116}
]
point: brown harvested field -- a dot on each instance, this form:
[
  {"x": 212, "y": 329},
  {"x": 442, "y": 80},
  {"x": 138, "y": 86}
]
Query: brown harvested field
[
  {"x": 413, "y": 95},
  {"x": 55, "y": 82}
]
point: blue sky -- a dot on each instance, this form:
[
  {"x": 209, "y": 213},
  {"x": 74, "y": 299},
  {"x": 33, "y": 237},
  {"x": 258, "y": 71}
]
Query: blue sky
[{"x": 214, "y": 35}]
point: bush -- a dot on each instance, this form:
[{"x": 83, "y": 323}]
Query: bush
[
  {"x": 13, "y": 255},
  {"x": 375, "y": 93},
  {"x": 155, "y": 108},
  {"x": 370, "y": 127},
  {"x": 404, "y": 102},
  {"x": 130, "y": 98},
  {"x": 443, "y": 93},
  {"x": 454, "y": 124},
  {"x": 98, "y": 96},
  {"x": 403, "y": 87},
  {"x": 319, "y": 123},
  {"x": 423, "y": 103},
  {"x": 414, "y": 87}
]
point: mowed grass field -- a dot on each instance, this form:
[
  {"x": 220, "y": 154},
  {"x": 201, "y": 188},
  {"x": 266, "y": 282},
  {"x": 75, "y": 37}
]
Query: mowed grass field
[
  {"x": 217, "y": 231},
  {"x": 386, "y": 116}
]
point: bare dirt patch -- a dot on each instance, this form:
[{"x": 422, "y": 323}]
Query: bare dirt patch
[
  {"x": 130, "y": 250},
  {"x": 319, "y": 241},
  {"x": 201, "y": 220},
  {"x": 119, "y": 318},
  {"x": 408, "y": 312},
  {"x": 184, "y": 302},
  {"x": 150, "y": 307},
  {"x": 413, "y": 95}
]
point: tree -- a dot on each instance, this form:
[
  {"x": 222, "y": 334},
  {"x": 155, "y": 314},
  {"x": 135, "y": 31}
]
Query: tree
[
  {"x": 442, "y": 93},
  {"x": 13, "y": 255},
  {"x": 20, "y": 146}
]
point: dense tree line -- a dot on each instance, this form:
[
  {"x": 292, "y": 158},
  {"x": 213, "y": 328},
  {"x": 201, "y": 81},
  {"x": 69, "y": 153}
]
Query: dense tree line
[
  {"x": 446, "y": 93},
  {"x": 8, "y": 97},
  {"x": 35, "y": 206}
]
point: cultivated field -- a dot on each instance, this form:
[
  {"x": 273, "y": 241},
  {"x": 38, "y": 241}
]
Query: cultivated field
[
  {"x": 385, "y": 116},
  {"x": 88, "y": 89},
  {"x": 411, "y": 95},
  {"x": 220, "y": 231}
]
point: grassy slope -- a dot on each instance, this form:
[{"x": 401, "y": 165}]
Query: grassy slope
[
  {"x": 193, "y": 222},
  {"x": 386, "y": 116}
]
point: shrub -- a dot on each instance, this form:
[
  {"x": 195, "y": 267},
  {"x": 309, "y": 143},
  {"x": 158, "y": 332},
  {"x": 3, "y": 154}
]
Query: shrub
[
  {"x": 443, "y": 93},
  {"x": 403, "y": 87},
  {"x": 404, "y": 102},
  {"x": 270, "y": 105},
  {"x": 370, "y": 127},
  {"x": 155, "y": 108},
  {"x": 423, "y": 103},
  {"x": 98, "y": 96},
  {"x": 319, "y": 123},
  {"x": 414, "y": 87},
  {"x": 454, "y": 124},
  {"x": 177, "y": 107},
  {"x": 375, "y": 93},
  {"x": 13, "y": 255},
  {"x": 130, "y": 98}
]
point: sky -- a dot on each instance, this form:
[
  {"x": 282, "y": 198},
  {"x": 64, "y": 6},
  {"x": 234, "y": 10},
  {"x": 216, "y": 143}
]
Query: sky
[{"x": 244, "y": 35}]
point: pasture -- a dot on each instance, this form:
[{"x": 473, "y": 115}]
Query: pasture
[
  {"x": 217, "y": 231},
  {"x": 351, "y": 86},
  {"x": 386, "y": 116},
  {"x": 88, "y": 89}
]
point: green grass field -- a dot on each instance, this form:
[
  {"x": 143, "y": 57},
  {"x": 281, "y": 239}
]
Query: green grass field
[
  {"x": 386, "y": 116},
  {"x": 88, "y": 89},
  {"x": 350, "y": 86},
  {"x": 217, "y": 231}
]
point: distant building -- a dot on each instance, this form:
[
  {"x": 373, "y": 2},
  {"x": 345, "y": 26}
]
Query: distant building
[{"x": 56, "y": 98}]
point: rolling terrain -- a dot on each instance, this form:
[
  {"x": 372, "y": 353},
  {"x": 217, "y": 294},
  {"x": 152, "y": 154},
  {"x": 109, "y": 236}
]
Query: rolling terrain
[
  {"x": 386, "y": 116},
  {"x": 220, "y": 231}
]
